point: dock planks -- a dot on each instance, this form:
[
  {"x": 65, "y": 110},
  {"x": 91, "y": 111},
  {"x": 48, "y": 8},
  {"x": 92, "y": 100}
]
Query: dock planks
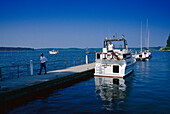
[{"x": 14, "y": 88}]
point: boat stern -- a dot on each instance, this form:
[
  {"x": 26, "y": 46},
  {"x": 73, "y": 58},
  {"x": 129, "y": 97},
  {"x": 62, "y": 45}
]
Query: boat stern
[{"x": 110, "y": 68}]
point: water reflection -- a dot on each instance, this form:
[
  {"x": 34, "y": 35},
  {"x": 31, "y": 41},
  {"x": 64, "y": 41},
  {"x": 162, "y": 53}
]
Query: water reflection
[
  {"x": 143, "y": 69},
  {"x": 112, "y": 92}
]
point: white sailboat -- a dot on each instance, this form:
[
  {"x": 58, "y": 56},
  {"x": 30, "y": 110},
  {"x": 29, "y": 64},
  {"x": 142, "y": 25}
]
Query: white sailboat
[
  {"x": 141, "y": 56},
  {"x": 147, "y": 52}
]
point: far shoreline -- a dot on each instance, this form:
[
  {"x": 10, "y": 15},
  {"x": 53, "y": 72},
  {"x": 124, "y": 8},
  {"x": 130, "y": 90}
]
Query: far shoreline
[{"x": 165, "y": 49}]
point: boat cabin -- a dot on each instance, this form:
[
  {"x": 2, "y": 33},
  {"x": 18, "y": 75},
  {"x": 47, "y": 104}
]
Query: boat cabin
[{"x": 120, "y": 49}]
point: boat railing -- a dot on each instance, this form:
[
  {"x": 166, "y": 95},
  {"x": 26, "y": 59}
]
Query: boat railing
[
  {"x": 17, "y": 71},
  {"x": 103, "y": 55}
]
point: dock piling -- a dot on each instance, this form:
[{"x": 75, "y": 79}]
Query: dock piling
[
  {"x": 86, "y": 59},
  {"x": 31, "y": 67}
]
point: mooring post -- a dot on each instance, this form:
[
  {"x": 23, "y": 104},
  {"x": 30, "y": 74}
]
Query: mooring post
[
  {"x": 86, "y": 59},
  {"x": 31, "y": 67}
]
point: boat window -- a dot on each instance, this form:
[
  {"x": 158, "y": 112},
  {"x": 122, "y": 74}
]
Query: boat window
[
  {"x": 124, "y": 56},
  {"x": 115, "y": 69},
  {"x": 98, "y": 56}
]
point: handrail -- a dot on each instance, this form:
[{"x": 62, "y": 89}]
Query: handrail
[{"x": 7, "y": 72}]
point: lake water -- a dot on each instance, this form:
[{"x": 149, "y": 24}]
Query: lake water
[
  {"x": 146, "y": 90},
  {"x": 9, "y": 61}
]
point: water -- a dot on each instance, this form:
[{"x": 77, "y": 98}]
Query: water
[
  {"x": 65, "y": 58},
  {"x": 144, "y": 91},
  {"x": 23, "y": 57}
]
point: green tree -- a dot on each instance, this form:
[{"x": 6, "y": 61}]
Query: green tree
[{"x": 168, "y": 41}]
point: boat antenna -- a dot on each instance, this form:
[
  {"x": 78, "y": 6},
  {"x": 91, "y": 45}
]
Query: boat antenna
[{"x": 141, "y": 38}]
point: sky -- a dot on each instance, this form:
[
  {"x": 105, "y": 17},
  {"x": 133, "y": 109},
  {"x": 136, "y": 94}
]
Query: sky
[{"x": 82, "y": 23}]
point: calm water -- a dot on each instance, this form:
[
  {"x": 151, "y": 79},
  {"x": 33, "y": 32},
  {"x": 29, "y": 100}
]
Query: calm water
[
  {"x": 65, "y": 58},
  {"x": 144, "y": 91},
  {"x": 10, "y": 58}
]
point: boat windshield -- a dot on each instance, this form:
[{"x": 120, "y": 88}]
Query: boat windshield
[{"x": 117, "y": 43}]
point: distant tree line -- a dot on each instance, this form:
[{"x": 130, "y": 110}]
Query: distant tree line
[
  {"x": 168, "y": 41},
  {"x": 15, "y": 49},
  {"x": 167, "y": 48}
]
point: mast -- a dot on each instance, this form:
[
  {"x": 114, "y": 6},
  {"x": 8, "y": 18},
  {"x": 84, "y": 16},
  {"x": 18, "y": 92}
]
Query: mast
[
  {"x": 141, "y": 38},
  {"x": 146, "y": 44},
  {"x": 148, "y": 38}
]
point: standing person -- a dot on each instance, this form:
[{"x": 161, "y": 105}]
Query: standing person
[{"x": 43, "y": 62}]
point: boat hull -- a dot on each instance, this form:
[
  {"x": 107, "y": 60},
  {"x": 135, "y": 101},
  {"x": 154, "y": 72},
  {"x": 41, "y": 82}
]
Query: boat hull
[
  {"x": 50, "y": 52},
  {"x": 115, "y": 68},
  {"x": 143, "y": 56}
]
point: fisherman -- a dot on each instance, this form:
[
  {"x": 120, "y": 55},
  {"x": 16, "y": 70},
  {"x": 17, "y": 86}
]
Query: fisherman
[
  {"x": 43, "y": 62},
  {"x": 110, "y": 49}
]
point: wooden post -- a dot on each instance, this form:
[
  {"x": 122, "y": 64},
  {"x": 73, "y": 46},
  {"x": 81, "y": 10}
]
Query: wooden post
[
  {"x": 86, "y": 59},
  {"x": 31, "y": 67}
]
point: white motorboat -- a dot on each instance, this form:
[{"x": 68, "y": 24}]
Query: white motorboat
[
  {"x": 108, "y": 65},
  {"x": 53, "y": 52},
  {"x": 141, "y": 56}
]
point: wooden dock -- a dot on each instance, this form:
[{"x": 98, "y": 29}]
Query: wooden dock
[{"x": 18, "y": 87}]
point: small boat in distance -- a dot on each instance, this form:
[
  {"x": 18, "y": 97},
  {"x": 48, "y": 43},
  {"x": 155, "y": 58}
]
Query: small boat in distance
[{"x": 53, "y": 52}]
